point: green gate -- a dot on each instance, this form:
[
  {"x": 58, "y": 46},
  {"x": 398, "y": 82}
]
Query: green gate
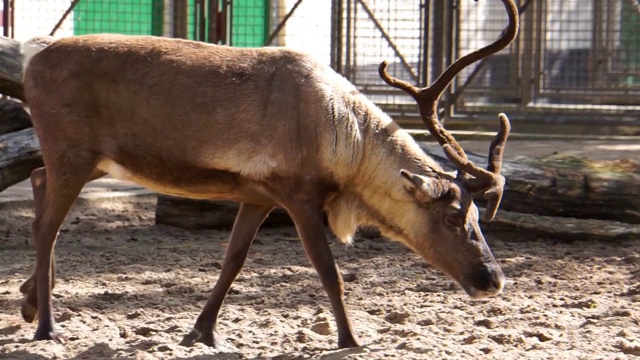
[
  {"x": 141, "y": 17},
  {"x": 248, "y": 20}
]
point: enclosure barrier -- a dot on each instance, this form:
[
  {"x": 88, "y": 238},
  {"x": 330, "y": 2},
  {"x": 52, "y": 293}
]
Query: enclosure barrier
[{"x": 573, "y": 61}]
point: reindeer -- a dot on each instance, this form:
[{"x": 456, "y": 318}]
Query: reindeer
[{"x": 267, "y": 127}]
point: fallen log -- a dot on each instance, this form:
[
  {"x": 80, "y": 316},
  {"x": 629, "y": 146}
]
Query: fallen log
[
  {"x": 553, "y": 186},
  {"x": 11, "y": 68},
  {"x": 19, "y": 155},
  {"x": 531, "y": 227},
  {"x": 13, "y": 117},
  {"x": 203, "y": 214},
  {"x": 566, "y": 186}
]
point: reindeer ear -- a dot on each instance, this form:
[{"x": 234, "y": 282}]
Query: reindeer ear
[{"x": 423, "y": 188}]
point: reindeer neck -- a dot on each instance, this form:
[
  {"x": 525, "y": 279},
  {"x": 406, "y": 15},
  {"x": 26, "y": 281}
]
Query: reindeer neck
[{"x": 387, "y": 150}]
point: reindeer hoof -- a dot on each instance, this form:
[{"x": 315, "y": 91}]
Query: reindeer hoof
[
  {"x": 191, "y": 338},
  {"x": 49, "y": 335},
  {"x": 348, "y": 342},
  {"x": 209, "y": 338},
  {"x": 29, "y": 311}
]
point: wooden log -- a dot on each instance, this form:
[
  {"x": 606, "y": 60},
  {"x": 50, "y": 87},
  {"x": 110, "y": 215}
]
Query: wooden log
[
  {"x": 515, "y": 226},
  {"x": 13, "y": 117},
  {"x": 531, "y": 227},
  {"x": 206, "y": 214},
  {"x": 19, "y": 155},
  {"x": 566, "y": 186},
  {"x": 552, "y": 186},
  {"x": 11, "y": 68}
]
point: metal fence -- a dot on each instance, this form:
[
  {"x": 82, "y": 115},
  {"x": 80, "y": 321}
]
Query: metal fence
[{"x": 574, "y": 59}]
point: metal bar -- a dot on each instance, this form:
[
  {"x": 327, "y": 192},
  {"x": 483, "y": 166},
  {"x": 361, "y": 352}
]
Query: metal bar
[
  {"x": 386, "y": 36},
  {"x": 459, "y": 90},
  {"x": 6, "y": 18},
  {"x": 64, "y": 17},
  {"x": 514, "y": 61},
  {"x": 437, "y": 63},
  {"x": 347, "y": 60},
  {"x": 212, "y": 14},
  {"x": 425, "y": 51},
  {"x": 529, "y": 74},
  {"x": 282, "y": 23},
  {"x": 202, "y": 20},
  {"x": 226, "y": 23},
  {"x": 13, "y": 18},
  {"x": 336, "y": 35},
  {"x": 452, "y": 16},
  {"x": 180, "y": 19},
  {"x": 596, "y": 41}
]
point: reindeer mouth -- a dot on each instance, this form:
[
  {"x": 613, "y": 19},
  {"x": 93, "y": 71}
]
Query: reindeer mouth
[{"x": 484, "y": 281}]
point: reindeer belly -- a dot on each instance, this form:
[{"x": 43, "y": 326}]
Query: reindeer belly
[{"x": 187, "y": 182}]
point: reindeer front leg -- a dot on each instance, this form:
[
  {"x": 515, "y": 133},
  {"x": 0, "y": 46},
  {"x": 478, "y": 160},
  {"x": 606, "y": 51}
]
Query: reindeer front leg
[
  {"x": 309, "y": 222},
  {"x": 249, "y": 219}
]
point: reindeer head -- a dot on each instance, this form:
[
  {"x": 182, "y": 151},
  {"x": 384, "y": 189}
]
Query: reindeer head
[{"x": 452, "y": 240}]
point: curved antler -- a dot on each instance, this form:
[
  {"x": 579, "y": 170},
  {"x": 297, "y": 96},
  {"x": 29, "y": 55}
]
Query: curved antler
[{"x": 488, "y": 181}]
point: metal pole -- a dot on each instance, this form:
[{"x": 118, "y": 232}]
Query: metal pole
[
  {"x": 336, "y": 35},
  {"x": 64, "y": 17},
  {"x": 180, "y": 20},
  {"x": 282, "y": 23},
  {"x": 6, "y": 18}
]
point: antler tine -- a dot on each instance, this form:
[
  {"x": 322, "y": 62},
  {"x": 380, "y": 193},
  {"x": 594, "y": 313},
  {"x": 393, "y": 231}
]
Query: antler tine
[
  {"x": 496, "y": 149},
  {"x": 395, "y": 82},
  {"x": 463, "y": 164},
  {"x": 427, "y": 98},
  {"x": 494, "y": 193},
  {"x": 488, "y": 181}
]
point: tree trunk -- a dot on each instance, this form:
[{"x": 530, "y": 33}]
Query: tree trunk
[{"x": 19, "y": 155}]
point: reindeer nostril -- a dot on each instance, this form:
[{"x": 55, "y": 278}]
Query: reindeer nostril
[
  {"x": 497, "y": 279},
  {"x": 487, "y": 278}
]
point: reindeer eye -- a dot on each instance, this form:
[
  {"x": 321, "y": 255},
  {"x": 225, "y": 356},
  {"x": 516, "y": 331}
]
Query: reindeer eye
[{"x": 455, "y": 220}]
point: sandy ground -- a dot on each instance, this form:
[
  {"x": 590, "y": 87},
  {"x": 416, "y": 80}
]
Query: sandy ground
[{"x": 130, "y": 289}]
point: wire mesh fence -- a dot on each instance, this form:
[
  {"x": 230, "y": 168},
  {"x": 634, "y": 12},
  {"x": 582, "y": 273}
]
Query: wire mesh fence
[
  {"x": 479, "y": 24},
  {"x": 303, "y": 25},
  {"x": 570, "y": 55},
  {"x": 377, "y": 30}
]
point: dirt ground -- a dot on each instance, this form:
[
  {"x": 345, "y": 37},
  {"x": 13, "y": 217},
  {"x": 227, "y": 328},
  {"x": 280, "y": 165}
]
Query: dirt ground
[{"x": 130, "y": 289}]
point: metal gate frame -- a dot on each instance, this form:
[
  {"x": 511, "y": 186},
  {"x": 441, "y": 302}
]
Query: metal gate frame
[
  {"x": 530, "y": 98},
  {"x": 438, "y": 36}
]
